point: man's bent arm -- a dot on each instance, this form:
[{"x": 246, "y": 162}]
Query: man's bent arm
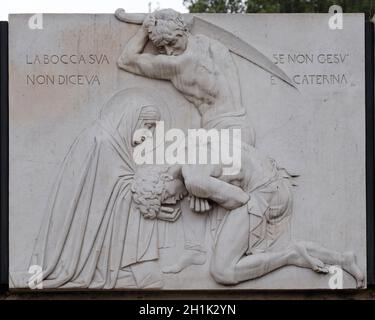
[
  {"x": 148, "y": 65},
  {"x": 202, "y": 185}
]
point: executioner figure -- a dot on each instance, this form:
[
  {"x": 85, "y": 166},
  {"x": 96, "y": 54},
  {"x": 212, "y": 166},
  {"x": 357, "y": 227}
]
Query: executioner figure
[{"x": 200, "y": 68}]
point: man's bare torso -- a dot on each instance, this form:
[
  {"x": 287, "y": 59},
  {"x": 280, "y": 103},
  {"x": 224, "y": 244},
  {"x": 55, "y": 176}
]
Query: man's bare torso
[{"x": 207, "y": 76}]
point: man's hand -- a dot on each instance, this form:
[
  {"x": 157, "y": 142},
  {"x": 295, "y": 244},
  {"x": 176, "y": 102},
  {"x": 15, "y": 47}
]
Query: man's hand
[
  {"x": 148, "y": 22},
  {"x": 199, "y": 204},
  {"x": 168, "y": 214}
]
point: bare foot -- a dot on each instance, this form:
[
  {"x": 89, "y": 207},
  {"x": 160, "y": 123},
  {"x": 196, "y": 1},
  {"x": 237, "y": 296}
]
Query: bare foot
[
  {"x": 350, "y": 265},
  {"x": 189, "y": 258},
  {"x": 301, "y": 258}
]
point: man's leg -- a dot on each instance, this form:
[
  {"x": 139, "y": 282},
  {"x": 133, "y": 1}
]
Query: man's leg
[
  {"x": 346, "y": 260},
  {"x": 194, "y": 226},
  {"x": 231, "y": 244},
  {"x": 230, "y": 265}
]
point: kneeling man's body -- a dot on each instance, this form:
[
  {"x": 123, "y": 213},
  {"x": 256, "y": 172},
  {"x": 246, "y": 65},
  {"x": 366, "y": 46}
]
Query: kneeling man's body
[{"x": 254, "y": 238}]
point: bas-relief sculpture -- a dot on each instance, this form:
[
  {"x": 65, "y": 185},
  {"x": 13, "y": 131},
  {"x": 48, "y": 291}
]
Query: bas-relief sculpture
[{"x": 106, "y": 215}]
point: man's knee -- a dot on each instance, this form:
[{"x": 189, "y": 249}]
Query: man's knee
[{"x": 222, "y": 273}]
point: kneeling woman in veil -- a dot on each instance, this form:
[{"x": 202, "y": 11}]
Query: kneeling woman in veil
[{"x": 90, "y": 233}]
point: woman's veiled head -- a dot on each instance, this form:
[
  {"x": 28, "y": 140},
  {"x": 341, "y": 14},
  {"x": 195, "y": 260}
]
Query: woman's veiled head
[
  {"x": 148, "y": 118},
  {"x": 132, "y": 109}
]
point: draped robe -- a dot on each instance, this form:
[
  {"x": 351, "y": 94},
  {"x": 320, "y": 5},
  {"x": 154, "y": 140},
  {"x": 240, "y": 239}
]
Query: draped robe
[{"x": 91, "y": 228}]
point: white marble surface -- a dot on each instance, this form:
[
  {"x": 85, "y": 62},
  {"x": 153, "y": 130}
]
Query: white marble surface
[{"x": 317, "y": 131}]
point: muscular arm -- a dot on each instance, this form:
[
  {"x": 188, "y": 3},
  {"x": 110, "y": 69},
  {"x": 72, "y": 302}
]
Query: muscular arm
[
  {"x": 148, "y": 65},
  {"x": 201, "y": 183}
]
